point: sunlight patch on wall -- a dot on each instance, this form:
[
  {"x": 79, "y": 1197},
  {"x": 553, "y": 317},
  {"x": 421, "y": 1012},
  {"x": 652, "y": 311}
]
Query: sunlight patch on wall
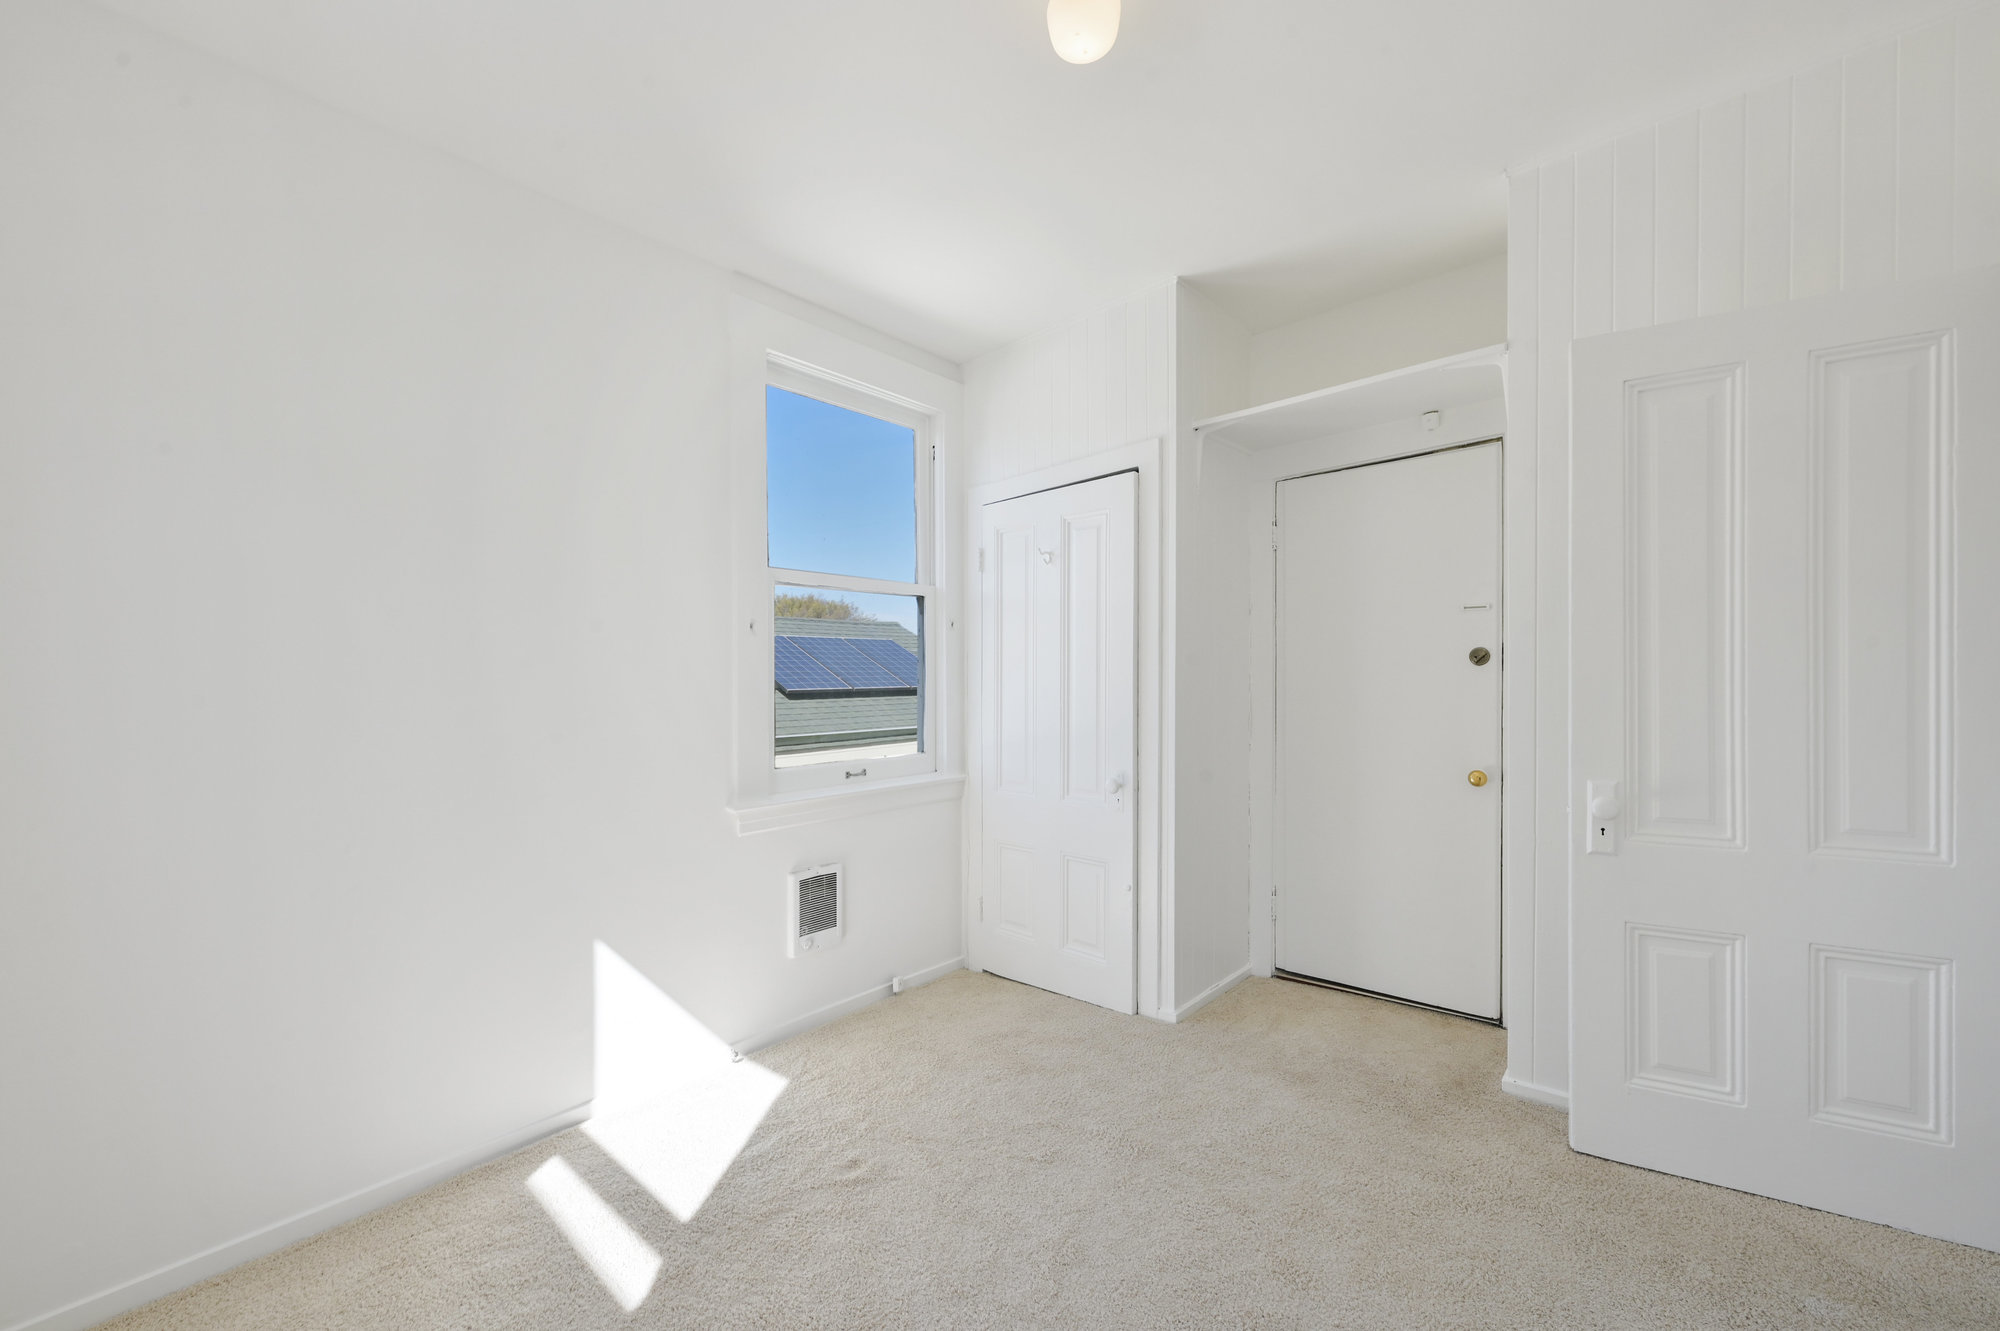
[
  {"x": 625, "y": 1264},
  {"x": 674, "y": 1106}
]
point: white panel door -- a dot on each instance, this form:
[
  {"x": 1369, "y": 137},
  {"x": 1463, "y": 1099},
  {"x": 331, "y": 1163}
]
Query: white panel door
[
  {"x": 1388, "y": 855},
  {"x": 1058, "y": 596},
  {"x": 1785, "y": 900}
]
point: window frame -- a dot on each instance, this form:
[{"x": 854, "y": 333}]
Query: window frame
[
  {"x": 767, "y": 327},
  {"x": 795, "y": 376}
]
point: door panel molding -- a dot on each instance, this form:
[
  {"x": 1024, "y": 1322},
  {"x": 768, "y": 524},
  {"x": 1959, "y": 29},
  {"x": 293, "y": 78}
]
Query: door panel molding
[
  {"x": 1882, "y": 504},
  {"x": 1881, "y": 1042},
  {"x": 1684, "y": 605},
  {"x": 1684, "y": 1012}
]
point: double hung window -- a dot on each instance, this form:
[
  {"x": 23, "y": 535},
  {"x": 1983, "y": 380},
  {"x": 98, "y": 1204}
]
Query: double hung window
[{"x": 849, "y": 555}]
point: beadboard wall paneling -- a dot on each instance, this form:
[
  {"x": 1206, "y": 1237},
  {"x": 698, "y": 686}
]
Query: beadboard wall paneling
[
  {"x": 1098, "y": 381},
  {"x": 1881, "y": 167}
]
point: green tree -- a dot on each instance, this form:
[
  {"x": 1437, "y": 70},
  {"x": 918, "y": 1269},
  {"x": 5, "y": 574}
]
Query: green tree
[{"x": 811, "y": 605}]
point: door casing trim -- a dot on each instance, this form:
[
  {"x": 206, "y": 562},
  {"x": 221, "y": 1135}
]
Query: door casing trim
[{"x": 1153, "y": 811}]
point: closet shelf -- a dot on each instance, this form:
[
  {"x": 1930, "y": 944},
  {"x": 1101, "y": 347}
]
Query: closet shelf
[{"x": 1439, "y": 385}]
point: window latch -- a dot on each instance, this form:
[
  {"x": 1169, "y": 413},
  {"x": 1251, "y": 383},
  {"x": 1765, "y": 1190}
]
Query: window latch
[{"x": 852, "y": 775}]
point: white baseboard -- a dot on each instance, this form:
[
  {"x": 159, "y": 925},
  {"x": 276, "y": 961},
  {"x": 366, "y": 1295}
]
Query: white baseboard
[
  {"x": 124, "y": 1297},
  {"x": 917, "y": 979},
  {"x": 854, "y": 1003},
  {"x": 95, "y": 1308},
  {"x": 1541, "y": 1095},
  {"x": 1213, "y": 992}
]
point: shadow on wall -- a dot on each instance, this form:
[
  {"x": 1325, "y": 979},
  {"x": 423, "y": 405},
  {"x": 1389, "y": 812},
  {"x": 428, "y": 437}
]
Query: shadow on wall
[{"x": 674, "y": 1107}]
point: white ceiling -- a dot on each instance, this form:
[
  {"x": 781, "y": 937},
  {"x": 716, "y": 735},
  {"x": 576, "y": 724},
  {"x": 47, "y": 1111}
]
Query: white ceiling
[{"x": 930, "y": 167}]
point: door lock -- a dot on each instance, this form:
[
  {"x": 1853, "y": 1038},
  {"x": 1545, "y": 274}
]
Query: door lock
[
  {"x": 1602, "y": 797},
  {"x": 1479, "y": 656}
]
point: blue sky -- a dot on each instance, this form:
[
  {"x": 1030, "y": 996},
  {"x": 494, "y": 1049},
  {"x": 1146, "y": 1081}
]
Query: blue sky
[{"x": 842, "y": 496}]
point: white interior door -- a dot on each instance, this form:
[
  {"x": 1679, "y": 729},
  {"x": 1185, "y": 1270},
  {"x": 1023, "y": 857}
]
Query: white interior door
[
  {"x": 1058, "y": 596},
  {"x": 1388, "y": 856},
  {"x": 1785, "y": 920}
]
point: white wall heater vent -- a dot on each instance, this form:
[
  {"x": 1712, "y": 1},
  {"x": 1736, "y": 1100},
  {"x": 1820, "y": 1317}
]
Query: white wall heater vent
[{"x": 818, "y": 908}]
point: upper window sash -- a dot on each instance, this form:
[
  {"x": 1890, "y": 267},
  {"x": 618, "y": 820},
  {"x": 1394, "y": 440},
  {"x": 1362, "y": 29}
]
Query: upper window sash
[{"x": 834, "y": 391}]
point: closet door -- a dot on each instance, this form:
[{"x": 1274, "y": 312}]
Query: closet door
[{"x": 1058, "y": 603}]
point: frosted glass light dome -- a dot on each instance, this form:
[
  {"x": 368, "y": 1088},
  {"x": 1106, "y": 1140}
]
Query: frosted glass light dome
[{"x": 1083, "y": 30}]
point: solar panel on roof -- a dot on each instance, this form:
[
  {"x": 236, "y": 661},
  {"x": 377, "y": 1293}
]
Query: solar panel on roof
[
  {"x": 797, "y": 672},
  {"x": 892, "y": 656},
  {"x": 854, "y": 666}
]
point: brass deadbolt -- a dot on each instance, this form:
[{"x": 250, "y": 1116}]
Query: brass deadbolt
[
  {"x": 1479, "y": 656},
  {"x": 1476, "y": 777}
]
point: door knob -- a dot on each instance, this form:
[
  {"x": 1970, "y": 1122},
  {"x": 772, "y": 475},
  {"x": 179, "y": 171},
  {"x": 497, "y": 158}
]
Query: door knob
[
  {"x": 1601, "y": 799},
  {"x": 1115, "y": 784},
  {"x": 1476, "y": 777}
]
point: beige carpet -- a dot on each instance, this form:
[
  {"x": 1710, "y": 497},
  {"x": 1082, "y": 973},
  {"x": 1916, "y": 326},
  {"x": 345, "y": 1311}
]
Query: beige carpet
[{"x": 977, "y": 1153}]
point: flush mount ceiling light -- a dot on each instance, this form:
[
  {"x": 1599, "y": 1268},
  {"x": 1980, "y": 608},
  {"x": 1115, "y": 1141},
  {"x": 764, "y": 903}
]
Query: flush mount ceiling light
[{"x": 1083, "y": 30}]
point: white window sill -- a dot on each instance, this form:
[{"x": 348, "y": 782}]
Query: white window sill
[{"x": 824, "y": 806}]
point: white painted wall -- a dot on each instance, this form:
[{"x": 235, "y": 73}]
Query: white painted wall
[
  {"x": 1461, "y": 309},
  {"x": 1095, "y": 382},
  {"x": 1152, "y": 366},
  {"x": 1211, "y": 786},
  {"x": 1881, "y": 167},
  {"x": 1146, "y": 368},
  {"x": 363, "y": 520},
  {"x": 1036, "y": 412}
]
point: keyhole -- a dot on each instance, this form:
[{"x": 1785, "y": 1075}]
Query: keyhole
[{"x": 1479, "y": 656}]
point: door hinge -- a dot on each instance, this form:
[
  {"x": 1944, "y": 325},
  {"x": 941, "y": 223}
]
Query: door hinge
[
  {"x": 1274, "y": 536},
  {"x": 982, "y": 910},
  {"x": 982, "y": 561}
]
